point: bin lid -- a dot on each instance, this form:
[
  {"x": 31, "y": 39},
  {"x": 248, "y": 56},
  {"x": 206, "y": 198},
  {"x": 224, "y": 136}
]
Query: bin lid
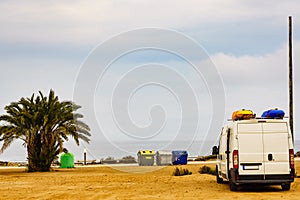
[
  {"x": 164, "y": 152},
  {"x": 179, "y": 152},
  {"x": 146, "y": 152}
]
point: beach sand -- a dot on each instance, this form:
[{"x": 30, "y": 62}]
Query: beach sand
[{"x": 104, "y": 182}]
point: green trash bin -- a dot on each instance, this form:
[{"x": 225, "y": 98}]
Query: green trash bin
[{"x": 67, "y": 160}]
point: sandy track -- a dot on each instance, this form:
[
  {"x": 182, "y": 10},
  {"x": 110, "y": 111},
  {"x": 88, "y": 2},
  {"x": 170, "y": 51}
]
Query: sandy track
[{"x": 108, "y": 183}]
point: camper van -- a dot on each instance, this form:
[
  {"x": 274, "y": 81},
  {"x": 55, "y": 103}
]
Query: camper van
[{"x": 256, "y": 151}]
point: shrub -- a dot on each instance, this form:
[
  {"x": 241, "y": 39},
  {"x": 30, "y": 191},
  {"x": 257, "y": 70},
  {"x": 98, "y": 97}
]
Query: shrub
[
  {"x": 200, "y": 158},
  {"x": 181, "y": 172},
  {"x": 207, "y": 170},
  {"x": 127, "y": 159},
  {"x": 205, "y": 158}
]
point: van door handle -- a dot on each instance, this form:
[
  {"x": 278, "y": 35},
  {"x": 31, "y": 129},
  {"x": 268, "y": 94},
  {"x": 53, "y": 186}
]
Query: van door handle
[{"x": 270, "y": 157}]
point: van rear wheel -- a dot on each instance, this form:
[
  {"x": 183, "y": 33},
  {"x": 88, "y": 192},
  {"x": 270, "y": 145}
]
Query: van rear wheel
[{"x": 286, "y": 187}]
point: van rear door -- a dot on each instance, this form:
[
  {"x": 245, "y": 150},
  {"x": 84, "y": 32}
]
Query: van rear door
[
  {"x": 263, "y": 148},
  {"x": 276, "y": 148},
  {"x": 250, "y": 148}
]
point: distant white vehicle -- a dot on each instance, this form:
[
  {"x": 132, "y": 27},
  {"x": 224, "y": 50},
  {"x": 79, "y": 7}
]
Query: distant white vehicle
[{"x": 256, "y": 151}]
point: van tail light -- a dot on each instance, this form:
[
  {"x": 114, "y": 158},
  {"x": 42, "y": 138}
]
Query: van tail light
[
  {"x": 235, "y": 159},
  {"x": 291, "y": 152}
]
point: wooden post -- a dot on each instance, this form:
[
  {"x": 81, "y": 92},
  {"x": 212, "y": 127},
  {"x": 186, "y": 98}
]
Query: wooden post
[
  {"x": 291, "y": 117},
  {"x": 84, "y": 156}
]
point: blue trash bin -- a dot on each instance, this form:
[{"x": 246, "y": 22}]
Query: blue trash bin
[{"x": 179, "y": 157}]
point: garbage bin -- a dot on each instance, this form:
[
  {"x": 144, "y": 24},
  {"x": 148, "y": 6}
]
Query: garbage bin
[
  {"x": 179, "y": 157},
  {"x": 163, "y": 158},
  {"x": 146, "y": 157},
  {"x": 67, "y": 160}
]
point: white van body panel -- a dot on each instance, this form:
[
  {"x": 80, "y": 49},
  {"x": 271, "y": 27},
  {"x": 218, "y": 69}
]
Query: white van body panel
[{"x": 263, "y": 147}]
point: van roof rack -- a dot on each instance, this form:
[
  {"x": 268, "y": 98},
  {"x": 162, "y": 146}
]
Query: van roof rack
[{"x": 285, "y": 117}]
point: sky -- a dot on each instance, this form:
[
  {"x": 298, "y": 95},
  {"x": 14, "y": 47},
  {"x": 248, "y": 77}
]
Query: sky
[{"x": 146, "y": 71}]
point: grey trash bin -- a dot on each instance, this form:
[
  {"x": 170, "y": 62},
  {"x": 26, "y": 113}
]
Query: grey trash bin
[
  {"x": 163, "y": 158},
  {"x": 146, "y": 157}
]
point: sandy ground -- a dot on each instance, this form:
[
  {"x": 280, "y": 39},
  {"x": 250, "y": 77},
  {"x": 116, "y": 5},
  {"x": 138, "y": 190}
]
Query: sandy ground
[{"x": 110, "y": 183}]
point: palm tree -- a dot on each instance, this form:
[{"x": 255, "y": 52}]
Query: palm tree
[{"x": 43, "y": 123}]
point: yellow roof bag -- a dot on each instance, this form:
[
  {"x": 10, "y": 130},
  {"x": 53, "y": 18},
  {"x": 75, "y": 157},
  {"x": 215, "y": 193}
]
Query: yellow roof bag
[{"x": 242, "y": 115}]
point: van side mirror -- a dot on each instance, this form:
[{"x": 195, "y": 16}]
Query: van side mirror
[{"x": 215, "y": 150}]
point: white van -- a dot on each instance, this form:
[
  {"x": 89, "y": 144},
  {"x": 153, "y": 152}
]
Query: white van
[{"x": 256, "y": 151}]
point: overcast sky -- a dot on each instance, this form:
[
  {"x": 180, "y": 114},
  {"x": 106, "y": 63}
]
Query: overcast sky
[{"x": 47, "y": 44}]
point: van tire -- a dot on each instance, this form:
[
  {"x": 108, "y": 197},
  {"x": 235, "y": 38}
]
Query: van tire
[
  {"x": 219, "y": 180},
  {"x": 232, "y": 186},
  {"x": 286, "y": 187}
]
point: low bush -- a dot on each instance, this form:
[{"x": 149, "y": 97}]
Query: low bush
[
  {"x": 200, "y": 158},
  {"x": 207, "y": 170},
  {"x": 205, "y": 158},
  {"x": 181, "y": 172}
]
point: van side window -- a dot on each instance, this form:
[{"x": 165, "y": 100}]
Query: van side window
[{"x": 220, "y": 138}]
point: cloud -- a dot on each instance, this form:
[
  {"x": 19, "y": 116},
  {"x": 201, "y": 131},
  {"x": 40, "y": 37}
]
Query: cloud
[
  {"x": 268, "y": 69},
  {"x": 21, "y": 78},
  {"x": 249, "y": 70},
  {"x": 48, "y": 22},
  {"x": 258, "y": 82}
]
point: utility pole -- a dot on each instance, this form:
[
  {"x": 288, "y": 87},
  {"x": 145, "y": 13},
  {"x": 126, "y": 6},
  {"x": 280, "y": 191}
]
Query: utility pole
[{"x": 291, "y": 107}]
